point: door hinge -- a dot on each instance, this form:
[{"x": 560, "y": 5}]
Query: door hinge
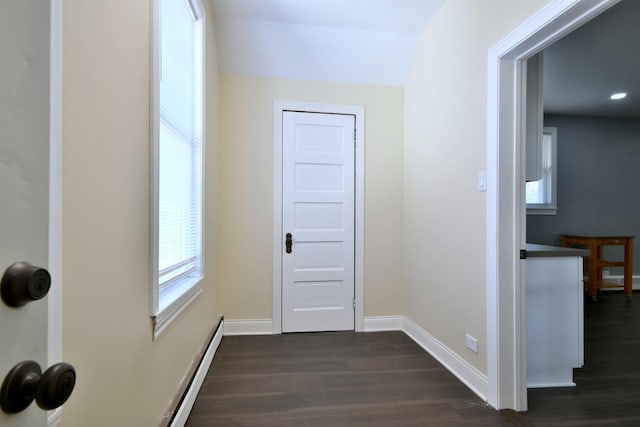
[
  {"x": 354, "y": 303},
  {"x": 523, "y": 254},
  {"x": 354, "y": 137}
]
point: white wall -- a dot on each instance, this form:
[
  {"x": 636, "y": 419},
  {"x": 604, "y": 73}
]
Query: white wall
[
  {"x": 246, "y": 180},
  {"x": 123, "y": 377},
  {"x": 445, "y": 148}
]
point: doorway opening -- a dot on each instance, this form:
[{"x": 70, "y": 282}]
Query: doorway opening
[{"x": 506, "y": 211}]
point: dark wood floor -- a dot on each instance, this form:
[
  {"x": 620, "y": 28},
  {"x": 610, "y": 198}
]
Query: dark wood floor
[
  {"x": 608, "y": 386},
  {"x": 334, "y": 379},
  {"x": 385, "y": 379}
]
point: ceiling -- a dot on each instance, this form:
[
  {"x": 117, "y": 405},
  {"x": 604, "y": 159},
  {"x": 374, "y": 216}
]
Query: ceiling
[
  {"x": 352, "y": 41},
  {"x": 374, "y": 41},
  {"x": 598, "y": 59}
]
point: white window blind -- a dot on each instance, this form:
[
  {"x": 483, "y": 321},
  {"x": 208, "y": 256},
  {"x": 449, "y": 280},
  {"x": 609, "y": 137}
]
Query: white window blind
[
  {"x": 179, "y": 220},
  {"x": 541, "y": 194},
  {"x": 178, "y": 145}
]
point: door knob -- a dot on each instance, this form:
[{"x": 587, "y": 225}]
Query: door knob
[
  {"x": 25, "y": 383},
  {"x": 288, "y": 242},
  {"x": 23, "y": 282}
]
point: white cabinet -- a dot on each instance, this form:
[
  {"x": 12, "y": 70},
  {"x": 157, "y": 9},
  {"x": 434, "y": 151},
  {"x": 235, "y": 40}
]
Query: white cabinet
[{"x": 555, "y": 320}]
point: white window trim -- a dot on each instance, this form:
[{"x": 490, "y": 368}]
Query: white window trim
[
  {"x": 549, "y": 208},
  {"x": 178, "y": 296}
]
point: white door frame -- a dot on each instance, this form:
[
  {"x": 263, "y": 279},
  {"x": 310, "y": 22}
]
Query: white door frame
[
  {"x": 54, "y": 304},
  {"x": 358, "y": 111},
  {"x": 506, "y": 212}
]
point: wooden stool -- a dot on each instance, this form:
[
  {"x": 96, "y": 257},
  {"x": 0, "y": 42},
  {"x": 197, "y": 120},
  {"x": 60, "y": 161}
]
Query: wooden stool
[{"x": 595, "y": 262}]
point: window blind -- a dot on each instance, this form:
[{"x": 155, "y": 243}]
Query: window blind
[{"x": 179, "y": 236}]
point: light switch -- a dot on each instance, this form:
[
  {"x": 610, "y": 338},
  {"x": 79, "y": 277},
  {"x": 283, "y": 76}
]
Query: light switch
[{"x": 482, "y": 181}]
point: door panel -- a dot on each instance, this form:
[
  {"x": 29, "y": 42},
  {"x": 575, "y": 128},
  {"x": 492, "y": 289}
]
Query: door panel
[
  {"x": 318, "y": 255},
  {"x": 318, "y": 216},
  {"x": 314, "y": 177},
  {"x": 318, "y": 210},
  {"x": 24, "y": 180}
]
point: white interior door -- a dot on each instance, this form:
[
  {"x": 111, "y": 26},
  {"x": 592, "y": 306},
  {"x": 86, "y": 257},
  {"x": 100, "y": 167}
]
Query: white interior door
[
  {"x": 318, "y": 224},
  {"x": 24, "y": 181}
]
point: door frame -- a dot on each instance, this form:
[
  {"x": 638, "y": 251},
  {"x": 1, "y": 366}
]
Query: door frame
[
  {"x": 279, "y": 107},
  {"x": 54, "y": 303},
  {"x": 506, "y": 209}
]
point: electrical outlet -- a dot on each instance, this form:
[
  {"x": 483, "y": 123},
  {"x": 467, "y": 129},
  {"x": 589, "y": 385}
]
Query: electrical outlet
[{"x": 472, "y": 343}]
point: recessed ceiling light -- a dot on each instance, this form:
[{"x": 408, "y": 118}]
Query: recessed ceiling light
[{"x": 619, "y": 95}]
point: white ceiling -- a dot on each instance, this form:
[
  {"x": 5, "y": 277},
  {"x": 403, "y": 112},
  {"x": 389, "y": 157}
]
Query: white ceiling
[
  {"x": 373, "y": 42},
  {"x": 584, "y": 68},
  {"x": 352, "y": 41}
]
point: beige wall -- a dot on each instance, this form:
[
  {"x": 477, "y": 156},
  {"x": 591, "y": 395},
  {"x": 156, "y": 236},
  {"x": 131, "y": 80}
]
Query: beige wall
[
  {"x": 246, "y": 179},
  {"x": 424, "y": 147},
  {"x": 445, "y": 148},
  {"x": 124, "y": 378}
]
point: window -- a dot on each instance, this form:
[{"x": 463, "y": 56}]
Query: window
[
  {"x": 177, "y": 112},
  {"x": 541, "y": 194}
]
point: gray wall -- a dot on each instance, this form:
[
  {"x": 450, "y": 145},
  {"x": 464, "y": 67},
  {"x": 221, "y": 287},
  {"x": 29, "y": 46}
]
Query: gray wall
[{"x": 598, "y": 182}]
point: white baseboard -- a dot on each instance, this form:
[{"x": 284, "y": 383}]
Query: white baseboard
[
  {"x": 459, "y": 367},
  {"x": 549, "y": 385},
  {"x": 265, "y": 327},
  {"x": 248, "y": 327},
  {"x": 192, "y": 393},
  {"x": 619, "y": 280},
  {"x": 383, "y": 323}
]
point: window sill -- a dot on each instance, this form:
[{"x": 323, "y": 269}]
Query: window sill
[
  {"x": 541, "y": 210},
  {"x": 173, "y": 301}
]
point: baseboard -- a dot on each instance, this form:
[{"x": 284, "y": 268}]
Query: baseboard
[
  {"x": 185, "y": 404},
  {"x": 459, "y": 367},
  {"x": 265, "y": 326},
  {"x": 383, "y": 323},
  {"x": 550, "y": 385},
  {"x": 619, "y": 280},
  {"x": 248, "y": 327}
]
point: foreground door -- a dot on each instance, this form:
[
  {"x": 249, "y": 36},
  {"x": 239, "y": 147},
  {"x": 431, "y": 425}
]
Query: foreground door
[
  {"x": 24, "y": 178},
  {"x": 318, "y": 222}
]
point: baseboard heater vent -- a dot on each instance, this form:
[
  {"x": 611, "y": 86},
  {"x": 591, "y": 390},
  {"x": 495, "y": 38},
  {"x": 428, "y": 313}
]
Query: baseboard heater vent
[{"x": 180, "y": 407}]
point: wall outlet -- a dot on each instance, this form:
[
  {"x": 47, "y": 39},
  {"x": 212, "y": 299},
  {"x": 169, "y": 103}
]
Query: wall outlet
[{"x": 472, "y": 343}]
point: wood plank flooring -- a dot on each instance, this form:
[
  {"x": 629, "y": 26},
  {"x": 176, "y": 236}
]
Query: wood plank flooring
[
  {"x": 334, "y": 379},
  {"x": 385, "y": 379},
  {"x": 608, "y": 386}
]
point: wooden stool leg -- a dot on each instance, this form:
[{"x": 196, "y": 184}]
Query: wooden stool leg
[
  {"x": 628, "y": 273},
  {"x": 593, "y": 270}
]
